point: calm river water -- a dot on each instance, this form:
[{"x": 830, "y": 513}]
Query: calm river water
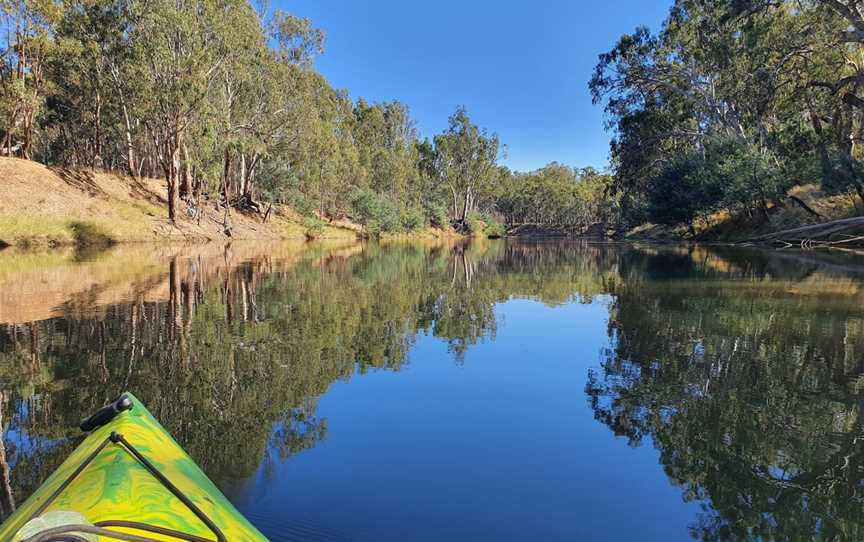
[{"x": 494, "y": 391}]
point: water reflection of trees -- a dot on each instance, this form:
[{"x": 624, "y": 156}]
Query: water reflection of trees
[
  {"x": 751, "y": 391},
  {"x": 232, "y": 359},
  {"x": 744, "y": 370}
]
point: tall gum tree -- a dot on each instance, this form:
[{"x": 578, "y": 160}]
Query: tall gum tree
[
  {"x": 180, "y": 45},
  {"x": 466, "y": 158}
]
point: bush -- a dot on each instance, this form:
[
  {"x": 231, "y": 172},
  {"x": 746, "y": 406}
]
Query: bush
[
  {"x": 729, "y": 173},
  {"x": 438, "y": 216},
  {"x": 476, "y": 224},
  {"x": 372, "y": 230},
  {"x": 314, "y": 228},
  {"x": 89, "y": 234},
  {"x": 412, "y": 219},
  {"x": 485, "y": 224},
  {"x": 376, "y": 213},
  {"x": 300, "y": 202},
  {"x": 494, "y": 229}
]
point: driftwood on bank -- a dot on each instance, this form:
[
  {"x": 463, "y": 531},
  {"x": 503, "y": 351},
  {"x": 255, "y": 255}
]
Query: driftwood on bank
[{"x": 846, "y": 232}]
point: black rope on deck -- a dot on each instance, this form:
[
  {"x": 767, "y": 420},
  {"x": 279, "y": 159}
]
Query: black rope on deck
[{"x": 118, "y": 438}]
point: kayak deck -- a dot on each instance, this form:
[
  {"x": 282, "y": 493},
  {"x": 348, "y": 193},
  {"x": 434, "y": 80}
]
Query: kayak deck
[{"x": 117, "y": 486}]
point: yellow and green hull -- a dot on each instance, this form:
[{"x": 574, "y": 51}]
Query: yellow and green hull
[{"x": 115, "y": 486}]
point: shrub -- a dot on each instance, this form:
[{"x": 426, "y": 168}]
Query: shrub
[
  {"x": 494, "y": 229},
  {"x": 314, "y": 228},
  {"x": 301, "y": 203},
  {"x": 412, "y": 219},
  {"x": 89, "y": 234},
  {"x": 372, "y": 230},
  {"x": 375, "y": 212},
  {"x": 438, "y": 216},
  {"x": 476, "y": 224}
]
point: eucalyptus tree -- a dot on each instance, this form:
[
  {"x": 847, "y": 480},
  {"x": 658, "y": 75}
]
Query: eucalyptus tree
[
  {"x": 385, "y": 136},
  {"x": 556, "y": 195},
  {"x": 91, "y": 91},
  {"x": 262, "y": 91},
  {"x": 465, "y": 161},
  {"x": 719, "y": 76},
  {"x": 180, "y": 48},
  {"x": 29, "y": 26}
]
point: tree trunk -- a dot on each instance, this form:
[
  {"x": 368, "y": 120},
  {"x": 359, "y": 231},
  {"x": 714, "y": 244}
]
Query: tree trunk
[
  {"x": 28, "y": 136},
  {"x": 134, "y": 171},
  {"x": 804, "y": 206},
  {"x": 5, "y": 470},
  {"x": 242, "y": 188},
  {"x": 172, "y": 174},
  {"x": 467, "y": 205},
  {"x": 226, "y": 173},
  {"x": 821, "y": 148},
  {"x": 250, "y": 177},
  {"x": 97, "y": 133},
  {"x": 186, "y": 174},
  {"x": 455, "y": 203}
]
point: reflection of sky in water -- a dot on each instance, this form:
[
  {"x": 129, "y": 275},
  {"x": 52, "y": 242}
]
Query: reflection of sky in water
[
  {"x": 18, "y": 438},
  {"x": 725, "y": 376},
  {"x": 502, "y": 447}
]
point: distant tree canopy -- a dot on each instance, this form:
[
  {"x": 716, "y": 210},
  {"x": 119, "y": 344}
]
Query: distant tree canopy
[
  {"x": 222, "y": 100},
  {"x": 732, "y": 103}
]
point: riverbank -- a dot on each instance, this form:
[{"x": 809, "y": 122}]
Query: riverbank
[
  {"x": 53, "y": 207},
  {"x": 806, "y": 206}
]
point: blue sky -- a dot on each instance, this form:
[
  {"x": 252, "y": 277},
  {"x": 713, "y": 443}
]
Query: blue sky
[{"x": 521, "y": 68}]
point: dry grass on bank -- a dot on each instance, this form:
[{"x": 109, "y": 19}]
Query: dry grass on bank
[{"x": 41, "y": 206}]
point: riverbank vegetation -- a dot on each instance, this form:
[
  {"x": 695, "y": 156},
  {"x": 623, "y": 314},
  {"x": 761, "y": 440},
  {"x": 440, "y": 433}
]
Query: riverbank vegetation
[
  {"x": 718, "y": 120},
  {"x": 732, "y": 104},
  {"x": 221, "y": 100}
]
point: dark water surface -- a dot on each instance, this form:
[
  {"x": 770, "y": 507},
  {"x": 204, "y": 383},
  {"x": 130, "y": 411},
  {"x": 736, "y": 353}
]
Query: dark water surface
[{"x": 498, "y": 391}]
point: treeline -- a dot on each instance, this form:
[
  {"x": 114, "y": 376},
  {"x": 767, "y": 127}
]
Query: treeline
[
  {"x": 222, "y": 101},
  {"x": 557, "y": 195},
  {"x": 732, "y": 103}
]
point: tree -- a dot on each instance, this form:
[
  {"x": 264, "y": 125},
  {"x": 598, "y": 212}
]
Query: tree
[
  {"x": 29, "y": 26},
  {"x": 465, "y": 161},
  {"x": 728, "y": 78},
  {"x": 179, "y": 49}
]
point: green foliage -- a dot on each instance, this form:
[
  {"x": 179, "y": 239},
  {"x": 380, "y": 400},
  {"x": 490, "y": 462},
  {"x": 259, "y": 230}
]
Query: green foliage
[
  {"x": 314, "y": 228},
  {"x": 493, "y": 228},
  {"x": 412, "y": 218},
  {"x": 225, "y": 104},
  {"x": 377, "y": 213},
  {"x": 557, "y": 195},
  {"x": 727, "y": 173},
  {"x": 475, "y": 222},
  {"x": 436, "y": 215},
  {"x": 731, "y": 103},
  {"x": 484, "y": 224},
  {"x": 88, "y": 234}
]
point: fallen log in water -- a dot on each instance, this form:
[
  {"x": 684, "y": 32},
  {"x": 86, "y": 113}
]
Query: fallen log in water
[{"x": 843, "y": 232}]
